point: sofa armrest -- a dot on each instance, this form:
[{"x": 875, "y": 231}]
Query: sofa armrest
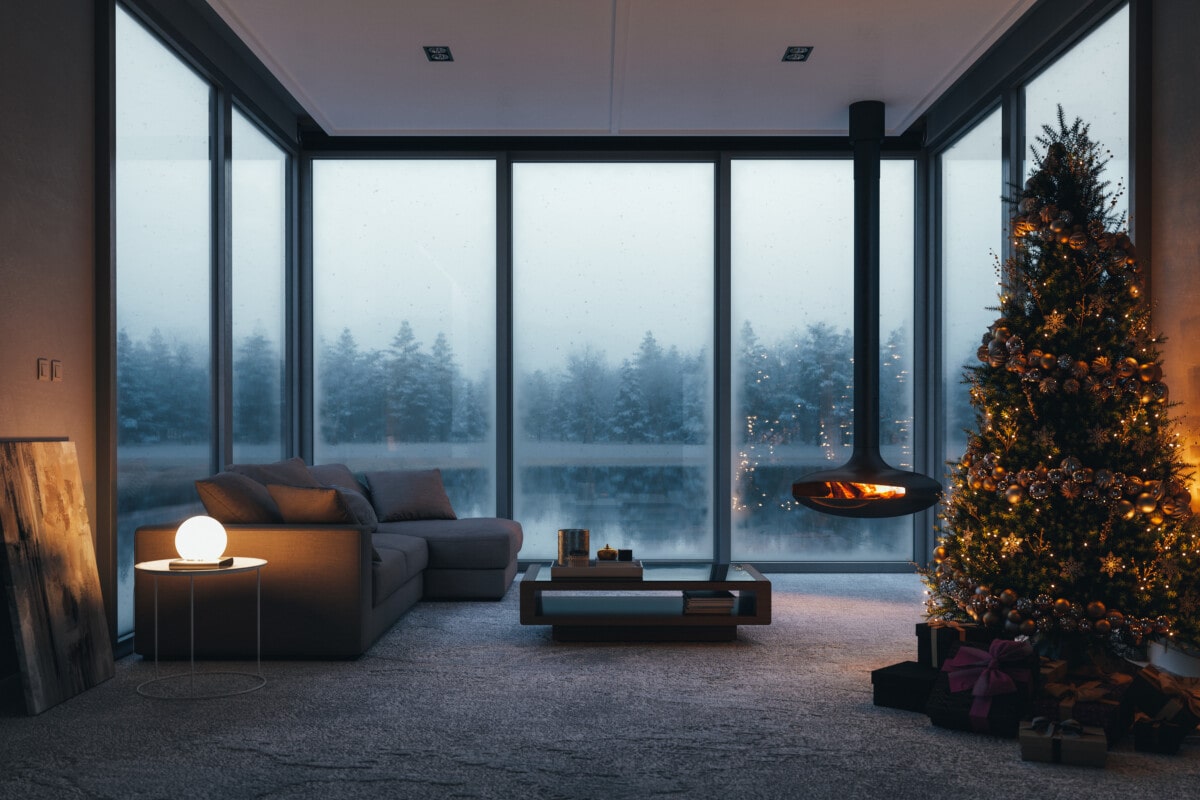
[{"x": 316, "y": 594}]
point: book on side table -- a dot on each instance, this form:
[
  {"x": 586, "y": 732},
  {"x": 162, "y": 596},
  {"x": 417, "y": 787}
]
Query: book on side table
[{"x": 704, "y": 601}]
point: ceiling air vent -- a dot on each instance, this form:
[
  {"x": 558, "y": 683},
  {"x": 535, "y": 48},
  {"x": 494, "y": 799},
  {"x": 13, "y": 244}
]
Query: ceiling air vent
[
  {"x": 797, "y": 52},
  {"x": 438, "y": 52}
]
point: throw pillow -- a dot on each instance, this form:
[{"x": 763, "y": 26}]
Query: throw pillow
[
  {"x": 336, "y": 475},
  {"x": 310, "y": 506},
  {"x": 359, "y": 507},
  {"x": 325, "y": 505},
  {"x": 292, "y": 472},
  {"x": 409, "y": 494},
  {"x": 231, "y": 498}
]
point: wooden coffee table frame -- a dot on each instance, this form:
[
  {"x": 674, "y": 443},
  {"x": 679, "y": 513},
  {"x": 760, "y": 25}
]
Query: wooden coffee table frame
[{"x": 605, "y": 610}]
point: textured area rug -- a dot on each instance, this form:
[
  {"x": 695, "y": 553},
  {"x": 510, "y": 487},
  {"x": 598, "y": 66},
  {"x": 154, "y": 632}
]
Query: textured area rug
[{"x": 458, "y": 700}]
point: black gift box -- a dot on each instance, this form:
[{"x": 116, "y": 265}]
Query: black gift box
[
  {"x": 936, "y": 639},
  {"x": 1156, "y": 736},
  {"x": 1166, "y": 698},
  {"x": 950, "y": 709},
  {"x": 905, "y": 685}
]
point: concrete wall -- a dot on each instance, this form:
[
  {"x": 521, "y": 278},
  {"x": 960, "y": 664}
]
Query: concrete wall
[
  {"x": 47, "y": 275},
  {"x": 1175, "y": 221}
]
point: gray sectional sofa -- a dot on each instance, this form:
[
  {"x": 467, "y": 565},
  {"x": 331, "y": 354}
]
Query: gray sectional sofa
[{"x": 345, "y": 559}]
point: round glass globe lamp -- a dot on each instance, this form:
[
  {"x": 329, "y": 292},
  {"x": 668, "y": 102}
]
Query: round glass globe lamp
[{"x": 200, "y": 539}]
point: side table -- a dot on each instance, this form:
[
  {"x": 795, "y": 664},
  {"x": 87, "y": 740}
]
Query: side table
[{"x": 162, "y": 568}]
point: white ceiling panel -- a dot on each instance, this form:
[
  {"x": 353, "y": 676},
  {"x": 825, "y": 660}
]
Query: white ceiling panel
[{"x": 575, "y": 67}]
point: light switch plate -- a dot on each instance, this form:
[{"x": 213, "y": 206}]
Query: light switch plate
[
  {"x": 43, "y": 369},
  {"x": 56, "y": 371}
]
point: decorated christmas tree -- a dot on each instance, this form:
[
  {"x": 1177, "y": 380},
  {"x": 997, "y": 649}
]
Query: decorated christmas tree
[{"x": 1068, "y": 518}]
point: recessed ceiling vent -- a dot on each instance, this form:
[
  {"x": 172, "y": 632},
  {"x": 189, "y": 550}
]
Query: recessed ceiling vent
[
  {"x": 865, "y": 486},
  {"x": 797, "y": 52},
  {"x": 438, "y": 52}
]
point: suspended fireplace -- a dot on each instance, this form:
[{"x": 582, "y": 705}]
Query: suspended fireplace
[{"x": 865, "y": 486}]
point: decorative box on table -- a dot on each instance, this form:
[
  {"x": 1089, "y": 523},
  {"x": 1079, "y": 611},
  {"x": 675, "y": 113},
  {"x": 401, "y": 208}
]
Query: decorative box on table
[
  {"x": 905, "y": 685},
  {"x": 935, "y": 638},
  {"x": 1062, "y": 742},
  {"x": 1094, "y": 700},
  {"x": 985, "y": 691}
]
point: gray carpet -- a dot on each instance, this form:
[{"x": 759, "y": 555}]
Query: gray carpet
[{"x": 460, "y": 701}]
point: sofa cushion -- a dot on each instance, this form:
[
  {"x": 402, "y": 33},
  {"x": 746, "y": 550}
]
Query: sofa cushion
[
  {"x": 336, "y": 475},
  {"x": 401, "y": 558},
  {"x": 292, "y": 472},
  {"x": 409, "y": 495},
  {"x": 231, "y": 498},
  {"x": 358, "y": 506},
  {"x": 471, "y": 543},
  {"x": 322, "y": 505}
]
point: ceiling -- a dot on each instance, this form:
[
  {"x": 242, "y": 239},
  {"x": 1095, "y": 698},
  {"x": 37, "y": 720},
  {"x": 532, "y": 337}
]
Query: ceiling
[{"x": 614, "y": 67}]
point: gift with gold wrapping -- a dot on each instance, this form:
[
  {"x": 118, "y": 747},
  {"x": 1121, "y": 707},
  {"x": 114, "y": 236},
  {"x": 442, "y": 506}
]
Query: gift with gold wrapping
[
  {"x": 935, "y": 637},
  {"x": 1052, "y": 671},
  {"x": 905, "y": 685},
  {"x": 985, "y": 691}
]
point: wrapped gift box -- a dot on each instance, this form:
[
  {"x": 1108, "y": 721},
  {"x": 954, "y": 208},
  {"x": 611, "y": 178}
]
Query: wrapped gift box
[
  {"x": 936, "y": 637},
  {"x": 1067, "y": 743},
  {"x": 905, "y": 685},
  {"x": 1155, "y": 736},
  {"x": 1039, "y": 740},
  {"x": 1166, "y": 698},
  {"x": 985, "y": 691}
]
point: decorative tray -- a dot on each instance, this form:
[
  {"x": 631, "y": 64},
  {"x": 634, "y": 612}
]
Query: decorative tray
[{"x": 598, "y": 570}]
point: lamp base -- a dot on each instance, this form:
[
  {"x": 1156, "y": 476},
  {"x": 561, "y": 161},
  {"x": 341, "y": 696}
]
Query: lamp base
[{"x": 188, "y": 563}]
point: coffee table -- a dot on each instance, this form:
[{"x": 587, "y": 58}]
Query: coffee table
[{"x": 646, "y": 610}]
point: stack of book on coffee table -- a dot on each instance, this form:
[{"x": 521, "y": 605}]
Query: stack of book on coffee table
[{"x": 703, "y": 601}]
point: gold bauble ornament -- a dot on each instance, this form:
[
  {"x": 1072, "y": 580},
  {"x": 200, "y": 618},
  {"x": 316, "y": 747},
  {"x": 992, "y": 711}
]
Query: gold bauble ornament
[
  {"x": 1149, "y": 372},
  {"x": 1127, "y": 367},
  {"x": 1096, "y": 609},
  {"x": 1014, "y": 495},
  {"x": 1147, "y": 503},
  {"x": 939, "y": 554},
  {"x": 1078, "y": 241},
  {"x": 1126, "y": 510}
]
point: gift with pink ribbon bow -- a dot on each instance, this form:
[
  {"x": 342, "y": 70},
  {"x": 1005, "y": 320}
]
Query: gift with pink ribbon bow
[{"x": 986, "y": 691}]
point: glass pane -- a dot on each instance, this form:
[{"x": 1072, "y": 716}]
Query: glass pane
[
  {"x": 404, "y": 299},
  {"x": 259, "y": 322},
  {"x": 164, "y": 358},
  {"x": 793, "y": 367},
  {"x": 1091, "y": 82},
  {"x": 973, "y": 229},
  {"x": 612, "y": 355}
]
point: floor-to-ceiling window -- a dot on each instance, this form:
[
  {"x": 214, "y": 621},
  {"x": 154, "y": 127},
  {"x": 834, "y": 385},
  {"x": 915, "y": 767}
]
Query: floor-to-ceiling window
[
  {"x": 613, "y": 270},
  {"x": 404, "y": 310},
  {"x": 972, "y": 246},
  {"x": 259, "y": 266},
  {"x": 792, "y": 356},
  {"x": 1090, "y": 81},
  {"x": 163, "y": 268}
]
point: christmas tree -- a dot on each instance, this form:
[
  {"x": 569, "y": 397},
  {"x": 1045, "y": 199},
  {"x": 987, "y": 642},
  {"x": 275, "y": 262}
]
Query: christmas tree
[{"x": 1068, "y": 518}]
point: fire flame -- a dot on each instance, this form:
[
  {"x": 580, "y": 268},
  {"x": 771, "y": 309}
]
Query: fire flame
[{"x": 848, "y": 490}]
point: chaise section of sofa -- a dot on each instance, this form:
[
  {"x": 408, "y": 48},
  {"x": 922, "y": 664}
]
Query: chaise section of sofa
[{"x": 346, "y": 558}]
